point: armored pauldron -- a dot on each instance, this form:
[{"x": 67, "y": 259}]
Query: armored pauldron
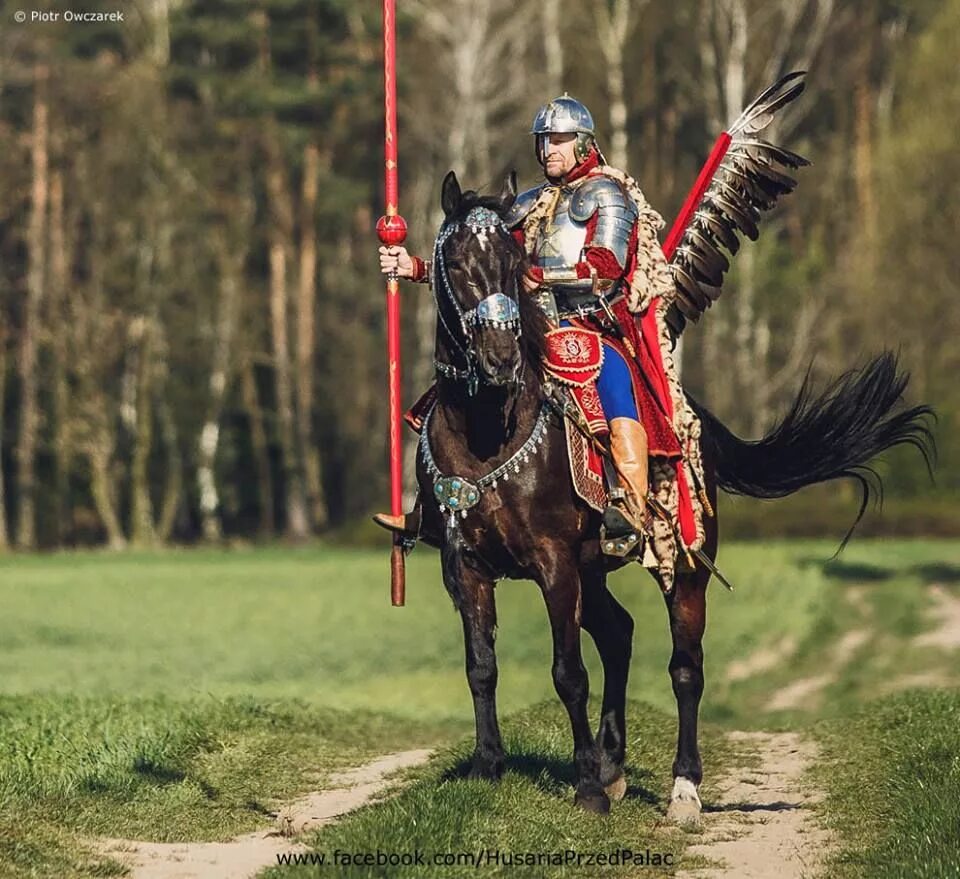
[{"x": 615, "y": 210}]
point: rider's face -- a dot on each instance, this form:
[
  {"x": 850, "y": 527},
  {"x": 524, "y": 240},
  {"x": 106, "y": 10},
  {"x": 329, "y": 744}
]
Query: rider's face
[{"x": 559, "y": 159}]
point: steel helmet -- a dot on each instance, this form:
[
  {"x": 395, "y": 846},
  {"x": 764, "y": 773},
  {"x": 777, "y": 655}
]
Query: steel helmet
[{"x": 564, "y": 115}]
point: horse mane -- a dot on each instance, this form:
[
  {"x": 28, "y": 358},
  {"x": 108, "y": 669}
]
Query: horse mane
[{"x": 533, "y": 321}]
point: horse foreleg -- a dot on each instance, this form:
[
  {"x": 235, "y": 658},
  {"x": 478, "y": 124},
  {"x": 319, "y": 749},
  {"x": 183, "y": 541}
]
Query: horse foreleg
[
  {"x": 473, "y": 594},
  {"x": 687, "y": 606},
  {"x": 561, "y": 590},
  {"x": 611, "y": 627}
]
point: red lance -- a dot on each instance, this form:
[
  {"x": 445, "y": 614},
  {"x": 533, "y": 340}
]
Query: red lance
[
  {"x": 392, "y": 230},
  {"x": 693, "y": 198}
]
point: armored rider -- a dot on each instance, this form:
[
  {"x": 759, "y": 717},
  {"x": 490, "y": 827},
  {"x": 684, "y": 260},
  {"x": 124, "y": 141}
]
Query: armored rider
[{"x": 593, "y": 257}]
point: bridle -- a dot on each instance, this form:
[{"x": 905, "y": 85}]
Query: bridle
[
  {"x": 456, "y": 494},
  {"x": 496, "y": 310}
]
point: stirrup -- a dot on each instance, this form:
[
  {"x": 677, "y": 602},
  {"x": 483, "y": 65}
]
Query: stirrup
[{"x": 618, "y": 536}]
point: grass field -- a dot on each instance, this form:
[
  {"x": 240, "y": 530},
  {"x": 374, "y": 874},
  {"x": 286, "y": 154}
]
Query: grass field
[{"x": 176, "y": 695}]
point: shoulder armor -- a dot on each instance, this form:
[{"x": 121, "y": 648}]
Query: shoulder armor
[
  {"x": 522, "y": 206},
  {"x": 596, "y": 192},
  {"x": 616, "y": 213}
]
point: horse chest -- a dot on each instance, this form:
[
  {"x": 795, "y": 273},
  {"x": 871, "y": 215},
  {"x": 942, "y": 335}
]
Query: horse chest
[{"x": 497, "y": 528}]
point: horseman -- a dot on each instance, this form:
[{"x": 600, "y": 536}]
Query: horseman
[{"x": 596, "y": 268}]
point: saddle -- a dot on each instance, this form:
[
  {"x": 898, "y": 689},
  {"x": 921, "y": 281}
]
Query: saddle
[{"x": 574, "y": 357}]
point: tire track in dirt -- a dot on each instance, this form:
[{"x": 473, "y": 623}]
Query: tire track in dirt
[{"x": 246, "y": 855}]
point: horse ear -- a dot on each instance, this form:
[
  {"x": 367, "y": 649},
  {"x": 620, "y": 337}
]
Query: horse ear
[
  {"x": 508, "y": 195},
  {"x": 450, "y": 194}
]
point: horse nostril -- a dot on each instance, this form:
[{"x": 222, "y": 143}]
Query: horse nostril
[{"x": 501, "y": 367}]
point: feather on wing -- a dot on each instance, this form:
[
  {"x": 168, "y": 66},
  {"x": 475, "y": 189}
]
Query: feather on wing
[{"x": 753, "y": 176}]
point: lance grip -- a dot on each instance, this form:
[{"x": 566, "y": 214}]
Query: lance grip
[{"x": 398, "y": 575}]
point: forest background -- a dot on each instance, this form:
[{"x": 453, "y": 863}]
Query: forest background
[{"x": 192, "y": 340}]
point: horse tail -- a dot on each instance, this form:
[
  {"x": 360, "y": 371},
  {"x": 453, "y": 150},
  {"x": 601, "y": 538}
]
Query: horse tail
[{"x": 829, "y": 436}]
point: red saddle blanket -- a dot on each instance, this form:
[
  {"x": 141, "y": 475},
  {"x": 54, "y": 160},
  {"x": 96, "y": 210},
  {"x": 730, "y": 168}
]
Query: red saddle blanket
[{"x": 586, "y": 468}]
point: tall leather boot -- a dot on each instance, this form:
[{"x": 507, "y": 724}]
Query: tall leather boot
[{"x": 626, "y": 520}]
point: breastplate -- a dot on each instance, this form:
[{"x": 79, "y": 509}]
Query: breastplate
[{"x": 560, "y": 239}]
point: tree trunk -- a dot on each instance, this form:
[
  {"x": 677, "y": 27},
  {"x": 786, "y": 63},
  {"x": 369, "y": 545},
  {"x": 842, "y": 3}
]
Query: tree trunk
[
  {"x": 280, "y": 246},
  {"x": 649, "y": 169},
  {"x": 306, "y": 299},
  {"x": 231, "y": 268},
  {"x": 553, "y": 46},
  {"x": 141, "y": 507},
  {"x": 261, "y": 453},
  {"x": 613, "y": 25},
  {"x": 297, "y": 525},
  {"x": 36, "y": 244},
  {"x": 174, "y": 472},
  {"x": 100, "y": 454},
  {"x": 863, "y": 170},
  {"x": 4, "y": 539},
  {"x": 60, "y": 393}
]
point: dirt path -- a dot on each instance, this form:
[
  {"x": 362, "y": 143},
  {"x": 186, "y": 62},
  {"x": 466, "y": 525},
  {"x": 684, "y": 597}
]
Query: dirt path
[
  {"x": 806, "y": 692},
  {"x": 944, "y": 614},
  {"x": 762, "y": 826},
  {"x": 246, "y": 855}
]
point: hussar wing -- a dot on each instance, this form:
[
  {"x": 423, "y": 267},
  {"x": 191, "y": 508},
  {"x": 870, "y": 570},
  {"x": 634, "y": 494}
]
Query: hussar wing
[{"x": 753, "y": 175}]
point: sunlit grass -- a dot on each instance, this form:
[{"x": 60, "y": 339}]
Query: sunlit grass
[{"x": 175, "y": 695}]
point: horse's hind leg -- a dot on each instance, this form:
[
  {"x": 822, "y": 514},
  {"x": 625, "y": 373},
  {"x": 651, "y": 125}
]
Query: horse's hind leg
[
  {"x": 560, "y": 582},
  {"x": 473, "y": 595},
  {"x": 687, "y": 606},
  {"x": 611, "y": 628}
]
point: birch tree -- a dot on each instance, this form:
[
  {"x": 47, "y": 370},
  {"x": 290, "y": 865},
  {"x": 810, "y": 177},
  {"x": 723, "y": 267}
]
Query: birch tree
[
  {"x": 36, "y": 280},
  {"x": 230, "y": 258},
  {"x": 553, "y": 45},
  {"x": 615, "y": 20},
  {"x": 734, "y": 69}
]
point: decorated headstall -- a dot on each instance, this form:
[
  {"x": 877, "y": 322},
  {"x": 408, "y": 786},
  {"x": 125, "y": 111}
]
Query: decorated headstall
[{"x": 496, "y": 310}]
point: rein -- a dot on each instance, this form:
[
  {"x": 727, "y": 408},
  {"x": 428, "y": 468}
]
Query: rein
[{"x": 496, "y": 310}]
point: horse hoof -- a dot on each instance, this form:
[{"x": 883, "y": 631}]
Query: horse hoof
[
  {"x": 685, "y": 814},
  {"x": 617, "y": 788},
  {"x": 486, "y": 770},
  {"x": 684, "y": 808},
  {"x": 598, "y": 802}
]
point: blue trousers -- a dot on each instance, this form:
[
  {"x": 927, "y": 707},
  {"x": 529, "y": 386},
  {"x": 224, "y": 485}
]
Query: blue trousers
[{"x": 615, "y": 385}]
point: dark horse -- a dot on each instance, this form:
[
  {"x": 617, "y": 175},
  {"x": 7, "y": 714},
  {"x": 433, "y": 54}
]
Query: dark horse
[{"x": 497, "y": 501}]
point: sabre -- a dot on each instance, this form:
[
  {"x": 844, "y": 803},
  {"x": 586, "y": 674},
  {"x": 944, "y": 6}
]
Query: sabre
[
  {"x": 703, "y": 558},
  {"x": 392, "y": 230}
]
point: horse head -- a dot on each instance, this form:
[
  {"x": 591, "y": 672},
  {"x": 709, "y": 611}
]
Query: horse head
[{"x": 477, "y": 270}]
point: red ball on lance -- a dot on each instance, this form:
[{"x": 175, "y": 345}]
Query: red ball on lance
[{"x": 392, "y": 230}]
